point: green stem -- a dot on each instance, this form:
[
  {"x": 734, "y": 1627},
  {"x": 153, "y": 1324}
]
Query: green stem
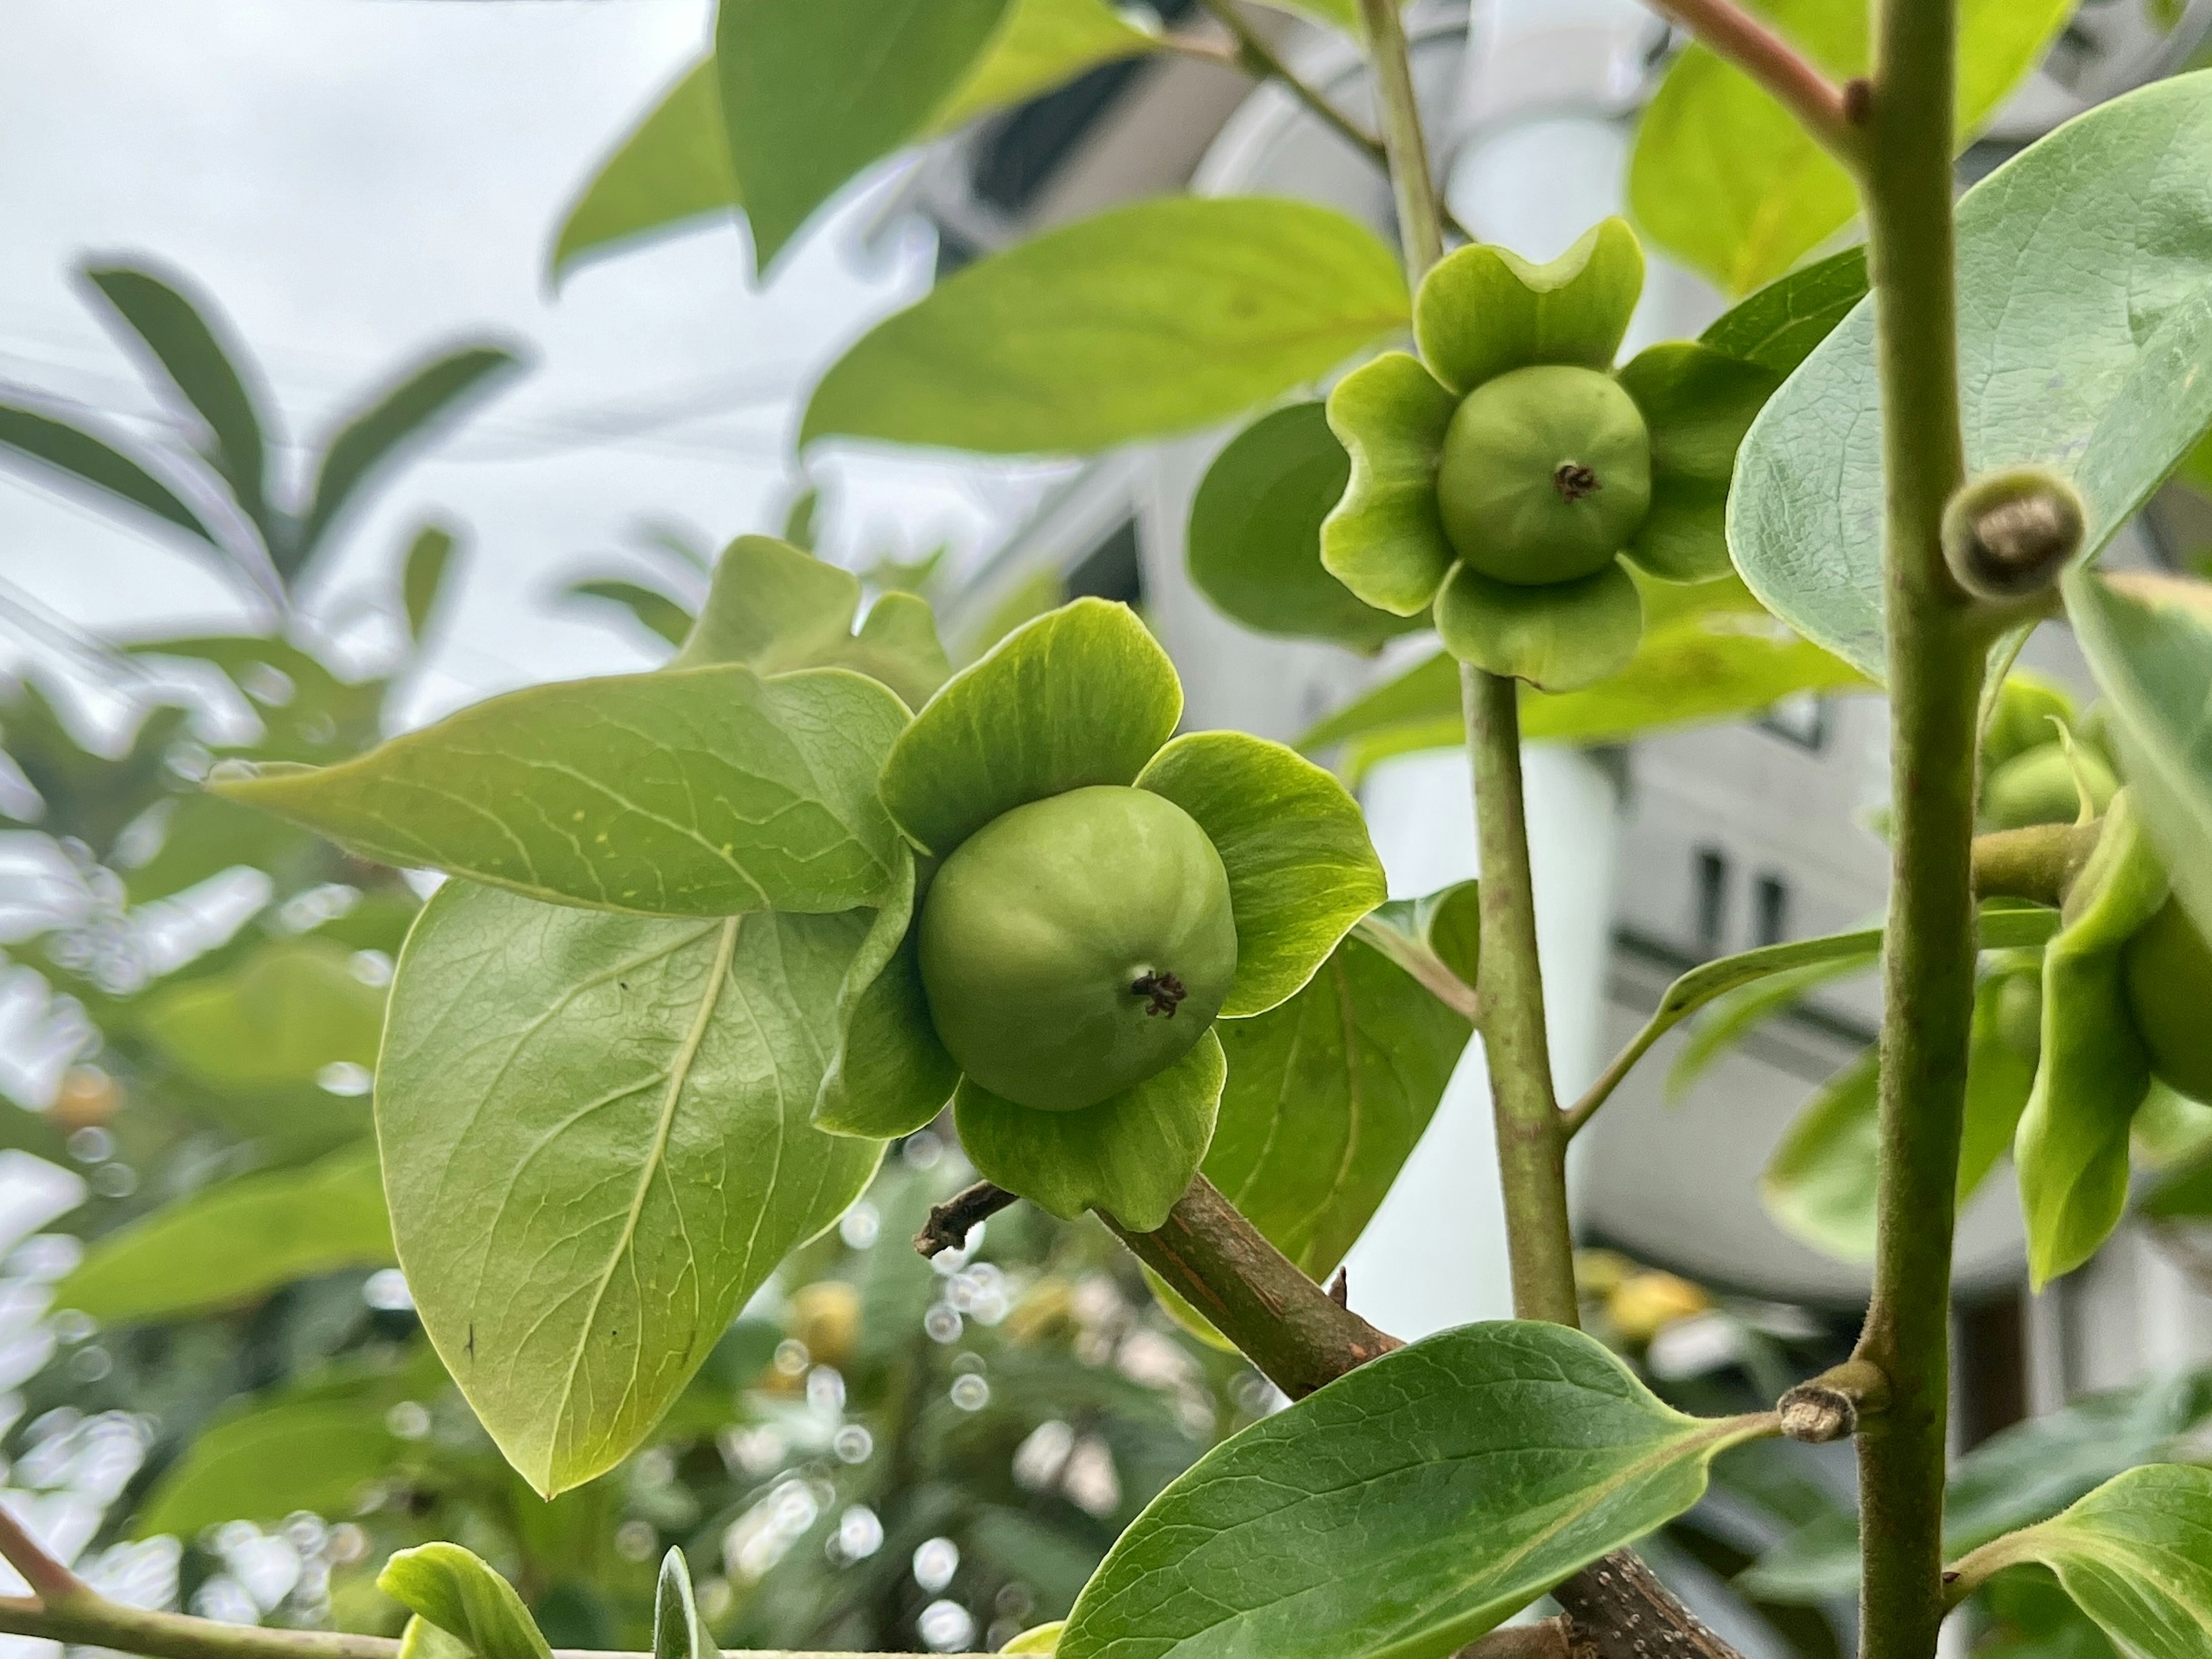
[
  {"x": 1420, "y": 223},
  {"x": 1824, "y": 109},
  {"x": 1937, "y": 656},
  {"x": 1532, "y": 1132}
]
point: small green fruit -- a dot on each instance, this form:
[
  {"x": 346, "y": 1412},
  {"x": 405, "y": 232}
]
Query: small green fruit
[
  {"x": 1077, "y": 945},
  {"x": 2038, "y": 787},
  {"x": 2169, "y": 979},
  {"x": 1546, "y": 473}
]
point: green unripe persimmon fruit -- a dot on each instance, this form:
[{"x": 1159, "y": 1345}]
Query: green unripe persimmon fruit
[
  {"x": 2169, "y": 980},
  {"x": 1546, "y": 473},
  {"x": 1077, "y": 945}
]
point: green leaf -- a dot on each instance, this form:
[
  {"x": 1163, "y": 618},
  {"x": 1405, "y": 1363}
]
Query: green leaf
[
  {"x": 677, "y": 1631},
  {"x": 465, "y": 1598},
  {"x": 1326, "y": 1097},
  {"x": 1385, "y": 540},
  {"x": 2072, "y": 1149},
  {"x": 1380, "y": 1515},
  {"x": 1777, "y": 327},
  {"x": 1739, "y": 1011},
  {"x": 1044, "y": 1639},
  {"x": 2149, "y": 640},
  {"x": 1149, "y": 319},
  {"x": 2021, "y": 1475},
  {"x": 774, "y": 608},
  {"x": 422, "y": 578},
  {"x": 653, "y": 610},
  {"x": 705, "y": 793},
  {"x": 597, "y": 1136},
  {"x": 411, "y": 413},
  {"x": 813, "y": 93},
  {"x": 1483, "y": 311},
  {"x": 201, "y": 367},
  {"x": 2085, "y": 316},
  {"x": 1697, "y": 403},
  {"x": 92, "y": 462},
  {"x": 672, "y": 170},
  {"x": 1301, "y": 868},
  {"x": 669, "y": 170},
  {"x": 1082, "y": 696},
  {"x": 1562, "y": 637},
  {"x": 421, "y": 1639},
  {"x": 287, "y": 1010},
  {"x": 2132, "y": 1555},
  {"x": 1818, "y": 1187},
  {"x": 1132, "y": 1155},
  {"x": 1728, "y": 181},
  {"x": 237, "y": 1242},
  {"x": 1254, "y": 538}
]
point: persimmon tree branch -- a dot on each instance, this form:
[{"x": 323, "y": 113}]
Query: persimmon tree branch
[{"x": 1832, "y": 114}]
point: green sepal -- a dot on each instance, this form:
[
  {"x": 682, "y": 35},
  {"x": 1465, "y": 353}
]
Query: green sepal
[
  {"x": 1386, "y": 539},
  {"x": 1255, "y": 538},
  {"x": 1132, "y": 1155},
  {"x": 1557, "y": 638},
  {"x": 2072, "y": 1144},
  {"x": 1697, "y": 403},
  {"x": 1482, "y": 311},
  {"x": 1082, "y": 696},
  {"x": 1301, "y": 868},
  {"x": 774, "y": 608},
  {"x": 456, "y": 1591},
  {"x": 890, "y": 1075}
]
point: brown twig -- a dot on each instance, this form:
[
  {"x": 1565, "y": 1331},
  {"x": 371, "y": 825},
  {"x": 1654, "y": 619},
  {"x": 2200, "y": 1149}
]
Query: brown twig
[
  {"x": 951, "y": 1222},
  {"x": 1834, "y": 115},
  {"x": 54, "y": 1585}
]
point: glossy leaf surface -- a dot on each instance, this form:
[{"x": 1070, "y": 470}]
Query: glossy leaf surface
[
  {"x": 597, "y": 1145},
  {"x": 1301, "y": 868},
  {"x": 2085, "y": 316},
  {"x": 237, "y": 1242},
  {"x": 1254, "y": 536},
  {"x": 1082, "y": 696},
  {"x": 706, "y": 792},
  {"x": 1728, "y": 181},
  {"x": 1383, "y": 1516},
  {"x": 1778, "y": 326},
  {"x": 1146, "y": 321},
  {"x": 1326, "y": 1097}
]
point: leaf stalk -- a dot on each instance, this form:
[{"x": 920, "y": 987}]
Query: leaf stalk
[{"x": 1832, "y": 115}]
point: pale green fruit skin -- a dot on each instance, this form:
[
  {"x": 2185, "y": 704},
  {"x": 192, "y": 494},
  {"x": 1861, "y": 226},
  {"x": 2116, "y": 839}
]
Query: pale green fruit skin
[
  {"x": 2169, "y": 980},
  {"x": 1039, "y": 925},
  {"x": 1498, "y": 486},
  {"x": 2038, "y": 787}
]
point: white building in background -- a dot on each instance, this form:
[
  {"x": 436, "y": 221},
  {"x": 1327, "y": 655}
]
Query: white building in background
[{"x": 1650, "y": 858}]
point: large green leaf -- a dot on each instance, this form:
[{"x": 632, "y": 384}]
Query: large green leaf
[
  {"x": 2133, "y": 1556},
  {"x": 237, "y": 1242},
  {"x": 201, "y": 368},
  {"x": 672, "y": 170},
  {"x": 1254, "y": 538},
  {"x": 705, "y": 793},
  {"x": 462, "y": 1596},
  {"x": 774, "y": 608},
  {"x": 409, "y": 414},
  {"x": 281, "y": 1016},
  {"x": 596, "y": 1130},
  {"x": 1405, "y": 1509},
  {"x": 2019, "y": 1476},
  {"x": 2148, "y": 641},
  {"x": 1726, "y": 179},
  {"x": 812, "y": 91},
  {"x": 1301, "y": 868},
  {"x": 1148, "y": 320},
  {"x": 1082, "y": 696},
  {"x": 1326, "y": 1097},
  {"x": 2084, "y": 318}
]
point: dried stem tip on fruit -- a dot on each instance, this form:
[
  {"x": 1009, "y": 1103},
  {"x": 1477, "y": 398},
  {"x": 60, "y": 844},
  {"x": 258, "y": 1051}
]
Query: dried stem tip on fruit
[{"x": 2009, "y": 534}]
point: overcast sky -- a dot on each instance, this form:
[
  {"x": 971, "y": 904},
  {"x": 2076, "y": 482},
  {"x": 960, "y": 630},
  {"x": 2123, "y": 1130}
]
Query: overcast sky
[{"x": 359, "y": 182}]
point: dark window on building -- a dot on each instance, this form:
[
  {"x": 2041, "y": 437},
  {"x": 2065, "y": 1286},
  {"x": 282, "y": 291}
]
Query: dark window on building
[
  {"x": 1712, "y": 877},
  {"x": 1110, "y": 570},
  {"x": 1770, "y": 910}
]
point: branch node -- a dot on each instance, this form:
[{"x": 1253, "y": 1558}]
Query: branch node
[
  {"x": 1834, "y": 1405},
  {"x": 1339, "y": 1289},
  {"x": 1858, "y": 101},
  {"x": 951, "y": 1222}
]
